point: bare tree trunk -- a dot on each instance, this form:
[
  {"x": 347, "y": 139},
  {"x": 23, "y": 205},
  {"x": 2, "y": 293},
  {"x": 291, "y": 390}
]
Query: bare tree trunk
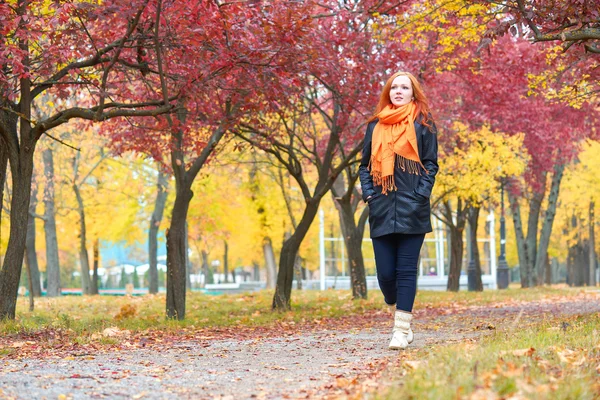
[
  {"x": 226, "y": 260},
  {"x": 535, "y": 205},
  {"x": 289, "y": 251},
  {"x": 592, "y": 245},
  {"x": 270, "y": 262},
  {"x": 84, "y": 258},
  {"x": 188, "y": 264},
  {"x": 456, "y": 242},
  {"x": 298, "y": 270},
  {"x": 256, "y": 271},
  {"x": 346, "y": 199},
  {"x": 521, "y": 244},
  {"x": 205, "y": 267},
  {"x": 548, "y": 271},
  {"x": 473, "y": 217},
  {"x": 176, "y": 257},
  {"x": 157, "y": 215},
  {"x": 21, "y": 168},
  {"x": 94, "y": 289},
  {"x": 577, "y": 263},
  {"x": 548, "y": 221},
  {"x": 3, "y": 166},
  {"x": 52, "y": 261},
  {"x": 31, "y": 254},
  {"x": 31, "y": 296},
  {"x": 353, "y": 238}
]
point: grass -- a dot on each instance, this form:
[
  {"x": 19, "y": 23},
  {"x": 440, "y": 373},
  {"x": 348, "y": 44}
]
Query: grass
[
  {"x": 556, "y": 359},
  {"x": 90, "y": 314}
]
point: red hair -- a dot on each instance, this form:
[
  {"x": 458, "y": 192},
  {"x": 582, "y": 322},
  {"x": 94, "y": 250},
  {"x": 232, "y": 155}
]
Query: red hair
[{"x": 419, "y": 97}]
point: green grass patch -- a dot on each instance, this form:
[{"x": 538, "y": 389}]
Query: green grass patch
[{"x": 556, "y": 359}]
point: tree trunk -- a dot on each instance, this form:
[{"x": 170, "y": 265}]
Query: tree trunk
[
  {"x": 176, "y": 257},
  {"x": 84, "y": 258},
  {"x": 20, "y": 146},
  {"x": 473, "y": 217},
  {"x": 256, "y": 271},
  {"x": 346, "y": 199},
  {"x": 577, "y": 263},
  {"x": 52, "y": 261},
  {"x": 592, "y": 245},
  {"x": 21, "y": 168},
  {"x": 31, "y": 296},
  {"x": 188, "y": 264},
  {"x": 155, "y": 220},
  {"x": 297, "y": 262},
  {"x": 353, "y": 237},
  {"x": 542, "y": 253},
  {"x": 531, "y": 242},
  {"x": 31, "y": 254},
  {"x": 456, "y": 242},
  {"x": 94, "y": 289},
  {"x": 205, "y": 268},
  {"x": 270, "y": 263},
  {"x": 289, "y": 250},
  {"x": 548, "y": 271},
  {"x": 3, "y": 166},
  {"x": 456, "y": 254},
  {"x": 298, "y": 272},
  {"x": 226, "y": 260},
  {"x": 521, "y": 245}
]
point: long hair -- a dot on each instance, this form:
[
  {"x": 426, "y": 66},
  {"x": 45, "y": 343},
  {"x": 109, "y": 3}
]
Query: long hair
[{"x": 420, "y": 99}]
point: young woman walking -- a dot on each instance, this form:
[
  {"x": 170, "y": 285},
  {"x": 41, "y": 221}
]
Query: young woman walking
[{"x": 397, "y": 173}]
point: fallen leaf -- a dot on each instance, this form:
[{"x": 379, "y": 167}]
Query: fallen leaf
[
  {"x": 523, "y": 352},
  {"x": 413, "y": 364},
  {"x": 115, "y": 332}
]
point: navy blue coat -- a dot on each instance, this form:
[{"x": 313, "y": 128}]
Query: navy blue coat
[{"x": 406, "y": 210}]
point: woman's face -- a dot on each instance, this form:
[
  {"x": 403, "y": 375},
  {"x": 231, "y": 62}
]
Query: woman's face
[{"x": 401, "y": 92}]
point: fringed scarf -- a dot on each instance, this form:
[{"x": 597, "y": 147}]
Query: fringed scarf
[{"x": 394, "y": 138}]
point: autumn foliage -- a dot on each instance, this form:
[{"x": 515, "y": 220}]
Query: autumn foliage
[{"x": 186, "y": 84}]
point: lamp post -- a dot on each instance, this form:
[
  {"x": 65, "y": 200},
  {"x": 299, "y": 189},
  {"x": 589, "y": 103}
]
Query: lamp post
[{"x": 502, "y": 270}]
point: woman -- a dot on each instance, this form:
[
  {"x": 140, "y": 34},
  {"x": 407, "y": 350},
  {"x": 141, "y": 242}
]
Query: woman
[{"x": 397, "y": 173}]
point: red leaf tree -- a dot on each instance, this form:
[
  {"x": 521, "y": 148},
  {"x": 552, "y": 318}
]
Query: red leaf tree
[{"x": 94, "y": 60}]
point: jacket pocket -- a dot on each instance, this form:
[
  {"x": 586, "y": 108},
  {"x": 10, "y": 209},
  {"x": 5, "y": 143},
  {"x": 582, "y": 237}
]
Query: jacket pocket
[{"x": 420, "y": 198}]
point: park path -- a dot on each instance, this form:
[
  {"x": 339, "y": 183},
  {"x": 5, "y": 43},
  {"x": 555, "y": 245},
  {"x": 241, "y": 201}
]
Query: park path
[{"x": 330, "y": 360}]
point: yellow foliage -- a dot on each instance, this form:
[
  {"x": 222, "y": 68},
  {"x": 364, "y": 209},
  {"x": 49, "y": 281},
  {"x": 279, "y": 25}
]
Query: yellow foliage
[
  {"x": 579, "y": 188},
  {"x": 477, "y": 162}
]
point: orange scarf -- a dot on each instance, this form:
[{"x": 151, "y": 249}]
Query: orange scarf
[{"x": 394, "y": 137}]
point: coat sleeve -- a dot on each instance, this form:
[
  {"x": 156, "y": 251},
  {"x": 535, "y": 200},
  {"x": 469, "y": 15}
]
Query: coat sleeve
[
  {"x": 366, "y": 180},
  {"x": 429, "y": 158}
]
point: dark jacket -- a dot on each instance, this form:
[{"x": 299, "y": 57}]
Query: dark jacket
[{"x": 406, "y": 210}]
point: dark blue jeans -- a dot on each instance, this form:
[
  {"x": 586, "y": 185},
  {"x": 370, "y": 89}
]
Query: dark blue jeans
[{"x": 396, "y": 258}]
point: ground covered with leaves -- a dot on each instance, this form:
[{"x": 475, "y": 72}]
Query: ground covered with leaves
[{"x": 540, "y": 343}]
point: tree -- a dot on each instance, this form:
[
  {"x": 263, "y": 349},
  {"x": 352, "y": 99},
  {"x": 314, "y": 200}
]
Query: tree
[
  {"x": 322, "y": 129},
  {"x": 77, "y": 183},
  {"x": 568, "y": 29},
  {"x": 473, "y": 165},
  {"x": 52, "y": 52},
  {"x": 578, "y": 201},
  {"x": 49, "y": 218},
  {"x": 231, "y": 78},
  {"x": 33, "y": 271},
  {"x": 162, "y": 187}
]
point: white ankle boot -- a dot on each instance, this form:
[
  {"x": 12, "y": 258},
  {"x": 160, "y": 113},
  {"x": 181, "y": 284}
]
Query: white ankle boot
[
  {"x": 410, "y": 337},
  {"x": 400, "y": 333}
]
